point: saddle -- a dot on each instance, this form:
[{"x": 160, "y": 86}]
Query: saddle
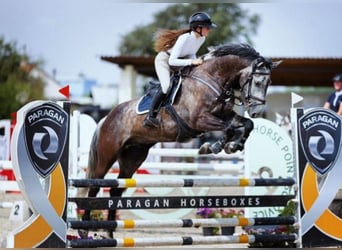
[
  {"x": 184, "y": 131},
  {"x": 145, "y": 101}
]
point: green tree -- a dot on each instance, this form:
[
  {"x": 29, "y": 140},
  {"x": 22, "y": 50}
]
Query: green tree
[
  {"x": 234, "y": 25},
  {"x": 17, "y": 87}
]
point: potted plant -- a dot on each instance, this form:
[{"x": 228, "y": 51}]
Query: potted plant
[
  {"x": 230, "y": 213},
  {"x": 208, "y": 213},
  {"x": 218, "y": 213}
]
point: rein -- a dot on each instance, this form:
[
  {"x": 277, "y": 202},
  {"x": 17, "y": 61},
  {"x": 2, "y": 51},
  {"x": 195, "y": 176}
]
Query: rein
[
  {"x": 226, "y": 94},
  {"x": 217, "y": 92},
  {"x": 223, "y": 95}
]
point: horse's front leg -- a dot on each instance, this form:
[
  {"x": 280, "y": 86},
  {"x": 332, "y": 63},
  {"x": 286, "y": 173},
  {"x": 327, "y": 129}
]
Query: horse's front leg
[
  {"x": 237, "y": 134},
  {"x": 209, "y": 122}
]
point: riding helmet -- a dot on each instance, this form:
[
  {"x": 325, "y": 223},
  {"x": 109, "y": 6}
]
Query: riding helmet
[
  {"x": 337, "y": 78},
  {"x": 201, "y": 19}
]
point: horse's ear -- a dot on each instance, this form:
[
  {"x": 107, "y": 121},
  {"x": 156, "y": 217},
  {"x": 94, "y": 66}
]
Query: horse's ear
[{"x": 276, "y": 64}]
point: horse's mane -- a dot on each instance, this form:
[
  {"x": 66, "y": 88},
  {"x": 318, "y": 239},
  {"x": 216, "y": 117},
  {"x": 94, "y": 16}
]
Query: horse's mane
[
  {"x": 223, "y": 63},
  {"x": 241, "y": 50}
]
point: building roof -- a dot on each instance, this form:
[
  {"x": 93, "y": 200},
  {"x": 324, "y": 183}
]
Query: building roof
[{"x": 291, "y": 72}]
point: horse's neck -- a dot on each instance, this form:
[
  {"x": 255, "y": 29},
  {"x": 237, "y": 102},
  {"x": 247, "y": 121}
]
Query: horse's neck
[{"x": 221, "y": 79}]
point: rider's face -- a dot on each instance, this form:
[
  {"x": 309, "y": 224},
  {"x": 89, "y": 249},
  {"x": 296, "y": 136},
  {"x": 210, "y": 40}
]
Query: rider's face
[
  {"x": 205, "y": 31},
  {"x": 202, "y": 31},
  {"x": 338, "y": 85}
]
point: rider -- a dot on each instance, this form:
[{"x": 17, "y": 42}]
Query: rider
[{"x": 177, "y": 48}]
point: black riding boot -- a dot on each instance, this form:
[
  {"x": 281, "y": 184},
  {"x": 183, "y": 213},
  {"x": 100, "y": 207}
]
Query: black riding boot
[{"x": 151, "y": 120}]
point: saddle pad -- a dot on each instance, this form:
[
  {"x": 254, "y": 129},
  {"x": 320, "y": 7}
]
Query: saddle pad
[{"x": 145, "y": 101}]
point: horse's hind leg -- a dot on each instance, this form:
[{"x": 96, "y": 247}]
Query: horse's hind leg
[
  {"x": 130, "y": 159},
  {"x": 101, "y": 159}
]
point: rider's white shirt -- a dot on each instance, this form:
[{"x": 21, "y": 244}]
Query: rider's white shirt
[{"x": 186, "y": 46}]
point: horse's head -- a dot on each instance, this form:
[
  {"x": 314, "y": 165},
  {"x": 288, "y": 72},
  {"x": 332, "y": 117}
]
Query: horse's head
[
  {"x": 254, "y": 81},
  {"x": 239, "y": 66}
]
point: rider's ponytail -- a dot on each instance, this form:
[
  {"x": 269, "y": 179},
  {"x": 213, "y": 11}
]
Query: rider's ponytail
[{"x": 165, "y": 39}]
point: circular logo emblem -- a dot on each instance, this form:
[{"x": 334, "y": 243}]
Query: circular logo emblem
[
  {"x": 45, "y": 133},
  {"x": 320, "y": 138}
]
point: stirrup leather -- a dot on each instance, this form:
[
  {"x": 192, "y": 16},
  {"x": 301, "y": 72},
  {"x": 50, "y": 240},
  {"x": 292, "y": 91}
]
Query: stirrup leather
[{"x": 150, "y": 121}]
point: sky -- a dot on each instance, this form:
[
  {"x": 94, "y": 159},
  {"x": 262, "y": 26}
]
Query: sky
[{"x": 69, "y": 36}]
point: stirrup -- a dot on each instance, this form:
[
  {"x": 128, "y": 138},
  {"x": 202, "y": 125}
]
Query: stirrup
[{"x": 151, "y": 122}]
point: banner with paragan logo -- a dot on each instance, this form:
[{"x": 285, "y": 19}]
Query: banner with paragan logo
[
  {"x": 319, "y": 161},
  {"x": 40, "y": 145}
]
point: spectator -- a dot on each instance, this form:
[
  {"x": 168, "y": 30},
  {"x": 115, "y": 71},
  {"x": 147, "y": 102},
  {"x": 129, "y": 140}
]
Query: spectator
[{"x": 334, "y": 101}]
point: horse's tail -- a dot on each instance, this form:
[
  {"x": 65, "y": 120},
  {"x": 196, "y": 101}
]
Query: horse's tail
[
  {"x": 93, "y": 153},
  {"x": 82, "y": 192}
]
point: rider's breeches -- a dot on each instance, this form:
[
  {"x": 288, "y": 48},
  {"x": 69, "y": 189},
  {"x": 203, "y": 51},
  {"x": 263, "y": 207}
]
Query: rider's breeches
[{"x": 161, "y": 64}]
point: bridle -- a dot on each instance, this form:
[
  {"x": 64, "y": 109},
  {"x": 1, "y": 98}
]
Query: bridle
[{"x": 255, "y": 66}]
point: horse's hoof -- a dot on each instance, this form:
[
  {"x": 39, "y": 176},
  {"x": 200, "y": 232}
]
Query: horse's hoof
[
  {"x": 232, "y": 147},
  {"x": 83, "y": 233},
  {"x": 205, "y": 149}
]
